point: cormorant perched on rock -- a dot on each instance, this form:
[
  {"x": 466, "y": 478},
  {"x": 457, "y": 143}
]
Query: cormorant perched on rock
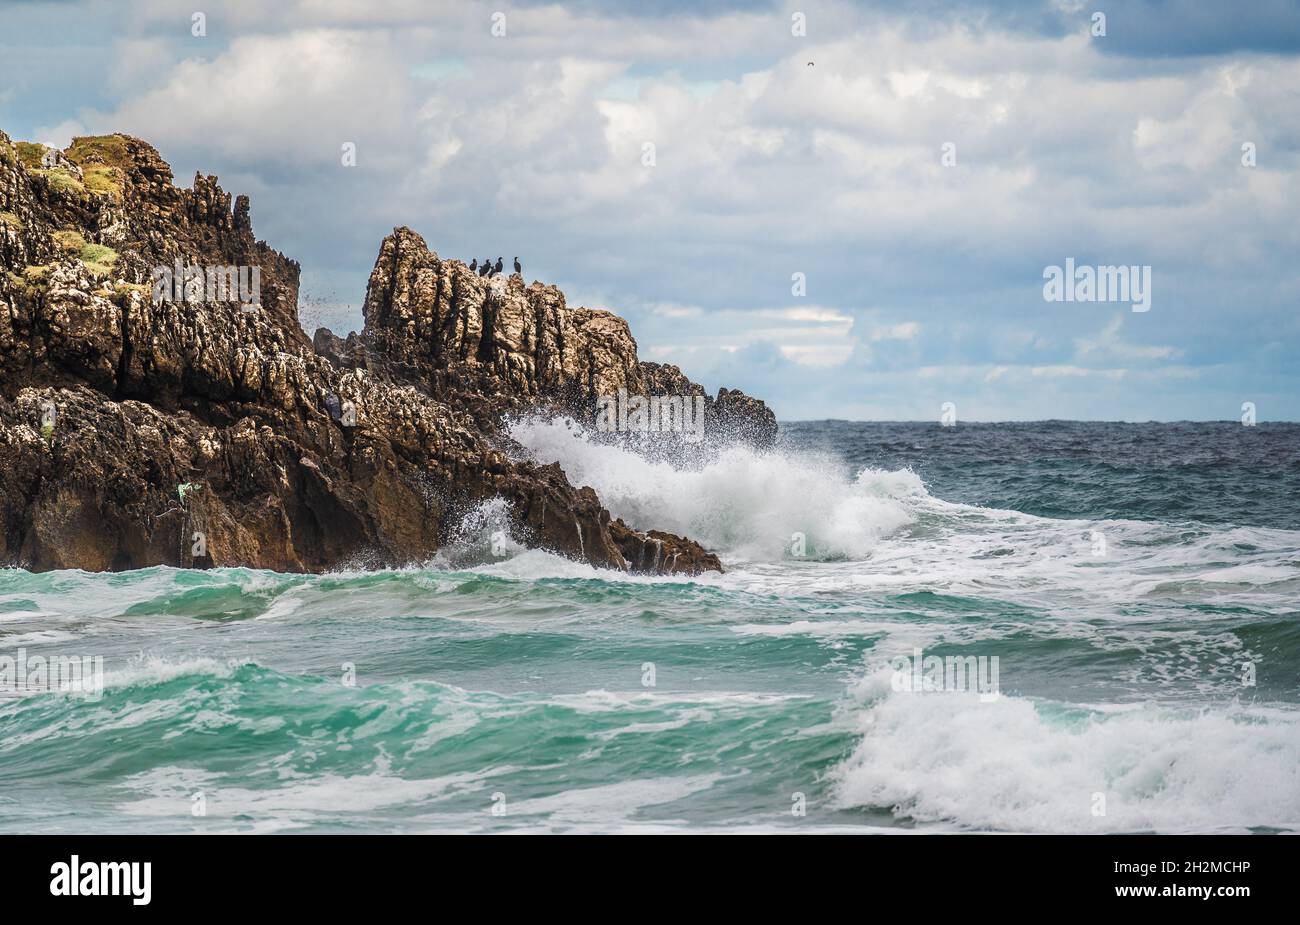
[
  {"x": 518, "y": 269},
  {"x": 497, "y": 269},
  {"x": 486, "y": 268},
  {"x": 473, "y": 265}
]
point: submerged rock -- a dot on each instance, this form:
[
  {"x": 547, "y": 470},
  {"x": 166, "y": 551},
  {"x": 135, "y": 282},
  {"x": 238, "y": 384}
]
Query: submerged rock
[{"x": 137, "y": 430}]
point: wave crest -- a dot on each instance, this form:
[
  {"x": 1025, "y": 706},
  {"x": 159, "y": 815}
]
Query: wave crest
[{"x": 1021, "y": 765}]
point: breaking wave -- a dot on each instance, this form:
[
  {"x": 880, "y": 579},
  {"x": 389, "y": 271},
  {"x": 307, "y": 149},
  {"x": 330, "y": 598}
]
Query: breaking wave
[{"x": 747, "y": 503}]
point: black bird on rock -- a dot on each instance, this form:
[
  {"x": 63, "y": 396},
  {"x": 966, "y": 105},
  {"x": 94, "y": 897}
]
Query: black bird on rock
[
  {"x": 518, "y": 269},
  {"x": 497, "y": 269},
  {"x": 473, "y": 264},
  {"x": 486, "y": 268}
]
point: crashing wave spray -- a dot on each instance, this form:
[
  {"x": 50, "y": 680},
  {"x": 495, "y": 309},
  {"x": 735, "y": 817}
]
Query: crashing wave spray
[
  {"x": 748, "y": 503},
  {"x": 482, "y": 536}
]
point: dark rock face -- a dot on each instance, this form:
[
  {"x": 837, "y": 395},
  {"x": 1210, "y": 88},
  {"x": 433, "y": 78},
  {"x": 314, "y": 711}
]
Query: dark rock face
[{"x": 136, "y": 431}]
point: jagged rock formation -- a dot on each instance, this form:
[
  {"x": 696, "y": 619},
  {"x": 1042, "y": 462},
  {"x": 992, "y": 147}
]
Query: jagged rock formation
[
  {"x": 137, "y": 431},
  {"x": 494, "y": 343}
]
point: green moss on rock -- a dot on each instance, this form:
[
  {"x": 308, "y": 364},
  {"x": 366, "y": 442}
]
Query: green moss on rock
[
  {"x": 71, "y": 241},
  {"x": 30, "y": 153},
  {"x": 103, "y": 180},
  {"x": 99, "y": 258},
  {"x": 103, "y": 160},
  {"x": 36, "y": 273},
  {"x": 62, "y": 179},
  {"x": 99, "y": 149}
]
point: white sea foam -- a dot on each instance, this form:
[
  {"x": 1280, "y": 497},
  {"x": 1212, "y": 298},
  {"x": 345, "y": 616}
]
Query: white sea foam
[
  {"x": 611, "y": 803},
  {"x": 154, "y": 669},
  {"x": 1049, "y": 564},
  {"x": 37, "y": 638},
  {"x": 293, "y": 803},
  {"x": 1014, "y": 765}
]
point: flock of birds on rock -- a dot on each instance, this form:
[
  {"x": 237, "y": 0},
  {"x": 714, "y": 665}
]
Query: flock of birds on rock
[{"x": 491, "y": 269}]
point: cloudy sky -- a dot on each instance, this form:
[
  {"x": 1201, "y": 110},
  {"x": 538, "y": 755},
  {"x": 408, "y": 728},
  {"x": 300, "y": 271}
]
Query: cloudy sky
[{"x": 774, "y": 154}]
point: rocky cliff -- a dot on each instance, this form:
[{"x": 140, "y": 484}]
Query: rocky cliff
[{"x": 138, "y": 428}]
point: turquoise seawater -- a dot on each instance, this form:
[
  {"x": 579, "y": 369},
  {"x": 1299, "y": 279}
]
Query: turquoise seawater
[{"x": 1138, "y": 584}]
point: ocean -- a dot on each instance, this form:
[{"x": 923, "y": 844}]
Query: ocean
[{"x": 1138, "y": 585}]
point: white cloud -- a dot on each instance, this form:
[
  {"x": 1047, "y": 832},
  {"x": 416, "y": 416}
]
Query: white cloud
[
  {"x": 60, "y": 135},
  {"x": 1108, "y": 346}
]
